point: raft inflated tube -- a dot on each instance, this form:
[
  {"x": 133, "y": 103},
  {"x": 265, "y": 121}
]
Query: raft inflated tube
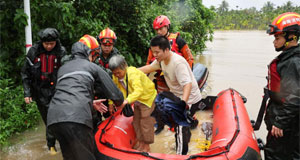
[{"x": 232, "y": 138}]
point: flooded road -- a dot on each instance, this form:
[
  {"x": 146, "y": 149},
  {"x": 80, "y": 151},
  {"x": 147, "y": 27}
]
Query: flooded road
[
  {"x": 239, "y": 59},
  {"x": 235, "y": 59}
]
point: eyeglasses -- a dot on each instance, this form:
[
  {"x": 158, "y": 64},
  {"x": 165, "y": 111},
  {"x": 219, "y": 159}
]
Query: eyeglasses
[{"x": 107, "y": 42}]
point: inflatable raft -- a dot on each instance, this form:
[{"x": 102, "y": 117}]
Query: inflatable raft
[{"x": 232, "y": 138}]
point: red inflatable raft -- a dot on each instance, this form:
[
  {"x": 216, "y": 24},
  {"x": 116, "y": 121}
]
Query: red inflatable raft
[{"x": 233, "y": 136}]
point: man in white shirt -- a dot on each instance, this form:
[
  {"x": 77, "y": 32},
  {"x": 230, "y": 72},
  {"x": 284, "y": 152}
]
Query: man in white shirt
[{"x": 179, "y": 78}]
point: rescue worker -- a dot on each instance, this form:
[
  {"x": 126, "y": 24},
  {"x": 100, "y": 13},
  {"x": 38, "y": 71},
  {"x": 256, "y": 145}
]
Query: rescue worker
[
  {"x": 39, "y": 74},
  {"x": 107, "y": 39},
  {"x": 70, "y": 110},
  {"x": 282, "y": 113},
  {"x": 139, "y": 90},
  {"x": 181, "y": 81},
  {"x": 161, "y": 25}
]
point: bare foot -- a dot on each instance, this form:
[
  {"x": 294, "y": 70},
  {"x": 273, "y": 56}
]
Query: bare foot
[
  {"x": 146, "y": 148},
  {"x": 141, "y": 146},
  {"x": 137, "y": 144}
]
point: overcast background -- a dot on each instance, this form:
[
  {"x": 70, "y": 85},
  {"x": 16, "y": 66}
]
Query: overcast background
[{"x": 242, "y": 4}]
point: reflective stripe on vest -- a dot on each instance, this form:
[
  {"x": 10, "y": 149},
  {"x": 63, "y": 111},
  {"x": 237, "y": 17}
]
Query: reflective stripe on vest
[
  {"x": 174, "y": 46},
  {"x": 273, "y": 77}
]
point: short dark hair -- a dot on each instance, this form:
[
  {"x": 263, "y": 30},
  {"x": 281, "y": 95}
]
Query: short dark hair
[{"x": 161, "y": 41}]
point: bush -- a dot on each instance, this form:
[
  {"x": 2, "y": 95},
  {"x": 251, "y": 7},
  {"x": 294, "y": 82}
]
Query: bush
[
  {"x": 131, "y": 20},
  {"x": 15, "y": 116}
]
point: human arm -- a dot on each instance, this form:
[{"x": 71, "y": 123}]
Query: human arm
[
  {"x": 28, "y": 100},
  {"x": 287, "y": 113},
  {"x": 63, "y": 55},
  {"x": 26, "y": 74},
  {"x": 185, "y": 50},
  {"x": 277, "y": 132},
  {"x": 111, "y": 108},
  {"x": 150, "y": 68},
  {"x": 107, "y": 87},
  {"x": 134, "y": 83},
  {"x": 150, "y": 57},
  {"x": 99, "y": 106},
  {"x": 147, "y": 69},
  {"x": 186, "y": 91},
  {"x": 123, "y": 104},
  {"x": 184, "y": 78}
]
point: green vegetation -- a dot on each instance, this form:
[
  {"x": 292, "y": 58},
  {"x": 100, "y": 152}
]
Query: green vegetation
[
  {"x": 131, "y": 20},
  {"x": 15, "y": 115},
  {"x": 250, "y": 18}
]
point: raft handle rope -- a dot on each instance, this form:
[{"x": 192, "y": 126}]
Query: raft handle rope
[
  {"x": 146, "y": 154},
  {"x": 237, "y": 131}
]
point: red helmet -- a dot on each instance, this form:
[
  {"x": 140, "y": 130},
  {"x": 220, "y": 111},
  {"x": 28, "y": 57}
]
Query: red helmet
[
  {"x": 286, "y": 22},
  {"x": 107, "y": 36},
  {"x": 161, "y": 21},
  {"x": 90, "y": 42}
]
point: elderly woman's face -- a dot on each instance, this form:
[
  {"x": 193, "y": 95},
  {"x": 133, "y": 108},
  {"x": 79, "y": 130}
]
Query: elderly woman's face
[{"x": 119, "y": 73}]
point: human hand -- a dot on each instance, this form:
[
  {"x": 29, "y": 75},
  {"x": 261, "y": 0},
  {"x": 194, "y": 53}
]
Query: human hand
[
  {"x": 123, "y": 104},
  {"x": 111, "y": 108},
  {"x": 277, "y": 132},
  {"x": 28, "y": 100},
  {"x": 99, "y": 106}
]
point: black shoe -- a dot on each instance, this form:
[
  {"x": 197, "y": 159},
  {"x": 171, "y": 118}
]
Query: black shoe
[{"x": 158, "y": 130}]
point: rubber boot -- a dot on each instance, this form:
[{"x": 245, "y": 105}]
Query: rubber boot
[{"x": 53, "y": 150}]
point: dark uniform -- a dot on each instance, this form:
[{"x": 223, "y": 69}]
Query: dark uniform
[
  {"x": 39, "y": 73},
  {"x": 283, "y": 107},
  {"x": 70, "y": 111},
  {"x": 103, "y": 63}
]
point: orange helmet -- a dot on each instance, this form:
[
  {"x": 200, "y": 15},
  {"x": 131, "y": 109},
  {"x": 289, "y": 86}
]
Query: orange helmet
[
  {"x": 286, "y": 22},
  {"x": 107, "y": 37},
  {"x": 90, "y": 42},
  {"x": 161, "y": 21}
]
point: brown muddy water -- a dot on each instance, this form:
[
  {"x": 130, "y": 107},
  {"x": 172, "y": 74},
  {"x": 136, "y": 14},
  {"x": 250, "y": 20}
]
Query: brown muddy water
[{"x": 235, "y": 59}]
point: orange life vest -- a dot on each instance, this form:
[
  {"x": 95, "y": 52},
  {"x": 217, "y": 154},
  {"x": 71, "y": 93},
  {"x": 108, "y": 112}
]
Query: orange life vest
[{"x": 174, "y": 46}]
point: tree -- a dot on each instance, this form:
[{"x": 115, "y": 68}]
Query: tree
[
  {"x": 288, "y": 5},
  {"x": 268, "y": 7},
  {"x": 131, "y": 20},
  {"x": 223, "y": 7}
]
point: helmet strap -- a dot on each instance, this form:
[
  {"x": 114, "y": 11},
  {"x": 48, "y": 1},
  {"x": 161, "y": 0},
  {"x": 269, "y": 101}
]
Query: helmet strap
[
  {"x": 281, "y": 48},
  {"x": 167, "y": 34},
  {"x": 287, "y": 40}
]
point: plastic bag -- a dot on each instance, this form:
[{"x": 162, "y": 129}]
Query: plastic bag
[{"x": 127, "y": 111}]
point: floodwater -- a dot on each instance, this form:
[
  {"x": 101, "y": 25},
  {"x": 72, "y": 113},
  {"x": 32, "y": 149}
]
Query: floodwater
[{"x": 235, "y": 59}]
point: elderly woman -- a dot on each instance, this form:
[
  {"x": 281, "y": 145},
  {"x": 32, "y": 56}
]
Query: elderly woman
[{"x": 139, "y": 90}]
